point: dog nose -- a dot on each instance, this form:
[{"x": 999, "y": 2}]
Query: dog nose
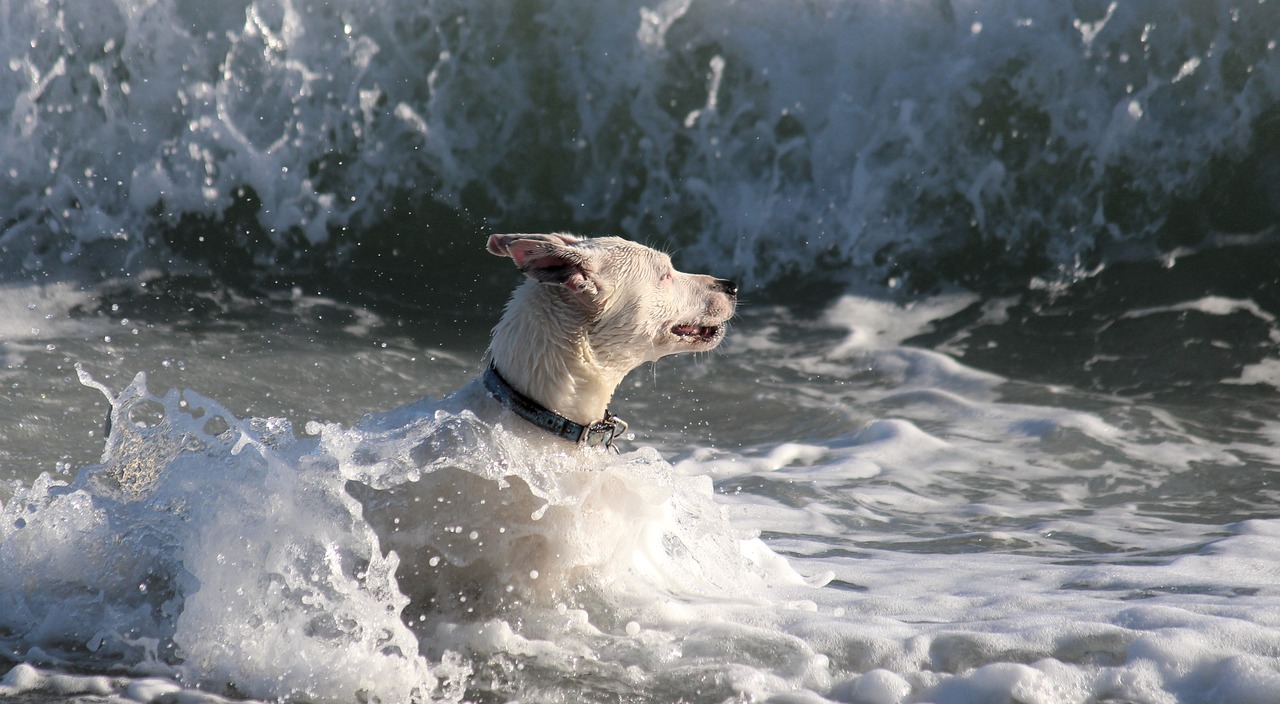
[{"x": 726, "y": 286}]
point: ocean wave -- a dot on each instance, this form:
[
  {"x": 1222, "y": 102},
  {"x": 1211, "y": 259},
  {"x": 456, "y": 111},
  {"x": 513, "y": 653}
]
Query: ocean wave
[{"x": 909, "y": 142}]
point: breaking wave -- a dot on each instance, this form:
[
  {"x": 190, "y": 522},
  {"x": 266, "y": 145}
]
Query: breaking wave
[{"x": 910, "y": 141}]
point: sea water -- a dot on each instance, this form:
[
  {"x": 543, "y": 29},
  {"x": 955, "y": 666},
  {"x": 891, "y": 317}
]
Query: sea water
[{"x": 996, "y": 421}]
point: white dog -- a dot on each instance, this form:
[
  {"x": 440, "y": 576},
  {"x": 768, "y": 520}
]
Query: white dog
[
  {"x": 592, "y": 311},
  {"x": 482, "y": 530},
  {"x": 477, "y": 522}
]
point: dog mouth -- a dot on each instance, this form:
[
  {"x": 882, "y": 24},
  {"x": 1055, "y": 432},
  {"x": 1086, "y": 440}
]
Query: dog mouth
[{"x": 697, "y": 333}]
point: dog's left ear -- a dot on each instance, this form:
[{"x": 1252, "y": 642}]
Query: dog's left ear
[{"x": 549, "y": 259}]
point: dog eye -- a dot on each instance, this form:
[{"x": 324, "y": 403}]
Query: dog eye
[{"x": 669, "y": 276}]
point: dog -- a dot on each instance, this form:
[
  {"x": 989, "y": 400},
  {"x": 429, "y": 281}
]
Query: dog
[
  {"x": 503, "y": 493},
  {"x": 591, "y": 311},
  {"x": 525, "y": 516}
]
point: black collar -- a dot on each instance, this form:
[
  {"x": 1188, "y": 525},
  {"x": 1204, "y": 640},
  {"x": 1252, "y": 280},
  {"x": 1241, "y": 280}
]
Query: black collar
[{"x": 601, "y": 432}]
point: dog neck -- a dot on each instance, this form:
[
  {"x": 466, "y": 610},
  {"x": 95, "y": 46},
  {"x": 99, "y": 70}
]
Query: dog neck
[
  {"x": 600, "y": 433},
  {"x": 542, "y": 349}
]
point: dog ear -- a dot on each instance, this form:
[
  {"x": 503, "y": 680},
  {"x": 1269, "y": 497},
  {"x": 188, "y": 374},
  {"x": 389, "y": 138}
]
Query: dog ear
[
  {"x": 548, "y": 259},
  {"x": 498, "y": 243}
]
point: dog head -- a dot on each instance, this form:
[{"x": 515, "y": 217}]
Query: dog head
[{"x": 634, "y": 304}]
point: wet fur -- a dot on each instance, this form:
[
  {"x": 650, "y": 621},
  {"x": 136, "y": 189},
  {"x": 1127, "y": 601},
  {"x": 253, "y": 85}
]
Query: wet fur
[{"x": 592, "y": 310}]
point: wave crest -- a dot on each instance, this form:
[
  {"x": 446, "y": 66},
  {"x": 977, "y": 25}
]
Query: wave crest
[{"x": 944, "y": 139}]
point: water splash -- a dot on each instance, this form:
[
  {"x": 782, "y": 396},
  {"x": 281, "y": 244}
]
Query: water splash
[
  {"x": 942, "y": 139},
  {"x": 369, "y": 561}
]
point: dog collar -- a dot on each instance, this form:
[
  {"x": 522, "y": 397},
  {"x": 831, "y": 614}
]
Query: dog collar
[{"x": 601, "y": 432}]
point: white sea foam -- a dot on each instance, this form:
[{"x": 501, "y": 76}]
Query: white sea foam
[
  {"x": 1053, "y": 571},
  {"x": 214, "y": 550},
  {"x": 931, "y": 539},
  {"x": 1265, "y": 372},
  {"x": 1210, "y": 305},
  {"x": 199, "y": 542},
  {"x": 35, "y": 313},
  {"x": 879, "y": 323},
  {"x": 883, "y": 135}
]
